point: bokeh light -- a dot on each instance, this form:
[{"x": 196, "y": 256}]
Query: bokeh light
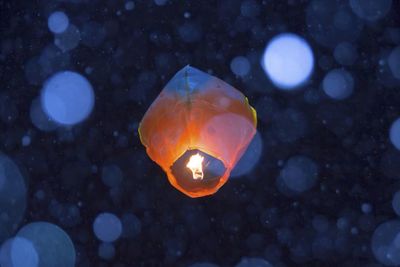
[
  {"x": 52, "y": 245},
  {"x": 190, "y": 32},
  {"x": 250, "y": 158},
  {"x": 288, "y": 61},
  {"x": 111, "y": 175},
  {"x": 58, "y": 22},
  {"x": 106, "y": 251},
  {"x": 107, "y": 227},
  {"x": 385, "y": 243},
  {"x": 249, "y": 8},
  {"x": 240, "y": 66},
  {"x": 67, "y": 97},
  {"x": 23, "y": 253},
  {"x": 299, "y": 174},
  {"x": 338, "y": 84},
  {"x": 69, "y": 39},
  {"x": 371, "y": 10},
  {"x": 394, "y": 133},
  {"x": 131, "y": 225},
  {"x": 396, "y": 203},
  {"x": 39, "y": 118},
  {"x": 12, "y": 197},
  {"x": 18, "y": 252},
  {"x": 366, "y": 208},
  {"x": 394, "y": 62},
  {"x": 160, "y": 2},
  {"x": 332, "y": 22},
  {"x": 345, "y": 53},
  {"x": 129, "y": 5}
]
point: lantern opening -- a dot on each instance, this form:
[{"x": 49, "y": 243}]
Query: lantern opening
[
  {"x": 196, "y": 170},
  {"x": 195, "y": 164}
]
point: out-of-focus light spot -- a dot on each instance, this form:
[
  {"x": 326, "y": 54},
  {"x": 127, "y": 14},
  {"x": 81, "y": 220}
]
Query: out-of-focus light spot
[
  {"x": 396, "y": 203},
  {"x": 131, "y": 225},
  {"x": 39, "y": 118},
  {"x": 253, "y": 262},
  {"x": 342, "y": 224},
  {"x": 26, "y": 140},
  {"x": 5, "y": 253},
  {"x": 332, "y": 22},
  {"x": 67, "y": 214},
  {"x": 52, "y": 60},
  {"x": 345, "y": 54},
  {"x": 320, "y": 224},
  {"x": 40, "y": 194},
  {"x": 394, "y": 133},
  {"x": 130, "y": 5},
  {"x": 366, "y": 208},
  {"x": 384, "y": 245},
  {"x": 288, "y": 61},
  {"x": 249, "y": 8},
  {"x": 18, "y": 252},
  {"x": 111, "y": 175},
  {"x": 107, "y": 227},
  {"x": 12, "y": 197},
  {"x": 67, "y": 97},
  {"x": 250, "y": 157},
  {"x": 394, "y": 62},
  {"x": 354, "y": 230},
  {"x": 106, "y": 251},
  {"x": 190, "y": 32},
  {"x": 338, "y": 84},
  {"x": 69, "y": 39},
  {"x": 23, "y": 253},
  {"x": 371, "y": 10},
  {"x": 58, "y": 22},
  {"x": 240, "y": 66},
  {"x": 160, "y": 2},
  {"x": 384, "y": 73},
  {"x": 52, "y": 244},
  {"x": 299, "y": 174}
]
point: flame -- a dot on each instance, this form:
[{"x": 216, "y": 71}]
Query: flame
[{"x": 195, "y": 165}]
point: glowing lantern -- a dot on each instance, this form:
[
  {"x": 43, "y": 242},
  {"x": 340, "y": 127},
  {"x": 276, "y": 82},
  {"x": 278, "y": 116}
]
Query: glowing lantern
[{"x": 196, "y": 130}]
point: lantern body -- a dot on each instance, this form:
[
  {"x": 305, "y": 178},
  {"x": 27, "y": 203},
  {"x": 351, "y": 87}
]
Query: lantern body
[{"x": 197, "y": 111}]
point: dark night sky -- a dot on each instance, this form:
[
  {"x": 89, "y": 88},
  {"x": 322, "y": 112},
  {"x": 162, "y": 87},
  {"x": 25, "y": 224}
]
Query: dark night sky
[{"x": 318, "y": 185}]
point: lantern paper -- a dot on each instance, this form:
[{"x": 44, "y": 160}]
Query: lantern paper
[{"x": 196, "y": 130}]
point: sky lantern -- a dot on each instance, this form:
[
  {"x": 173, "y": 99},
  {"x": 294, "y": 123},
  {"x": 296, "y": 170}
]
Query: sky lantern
[{"x": 196, "y": 131}]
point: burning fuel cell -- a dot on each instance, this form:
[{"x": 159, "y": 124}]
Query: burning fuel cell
[{"x": 196, "y": 131}]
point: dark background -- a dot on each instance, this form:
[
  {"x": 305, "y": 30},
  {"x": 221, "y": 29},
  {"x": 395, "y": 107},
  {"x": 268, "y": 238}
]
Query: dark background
[{"x": 133, "y": 54}]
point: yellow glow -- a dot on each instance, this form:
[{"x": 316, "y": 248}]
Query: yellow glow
[{"x": 195, "y": 164}]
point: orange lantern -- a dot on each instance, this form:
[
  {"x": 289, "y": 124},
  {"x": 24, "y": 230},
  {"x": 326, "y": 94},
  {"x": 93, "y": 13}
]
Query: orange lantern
[{"x": 196, "y": 130}]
